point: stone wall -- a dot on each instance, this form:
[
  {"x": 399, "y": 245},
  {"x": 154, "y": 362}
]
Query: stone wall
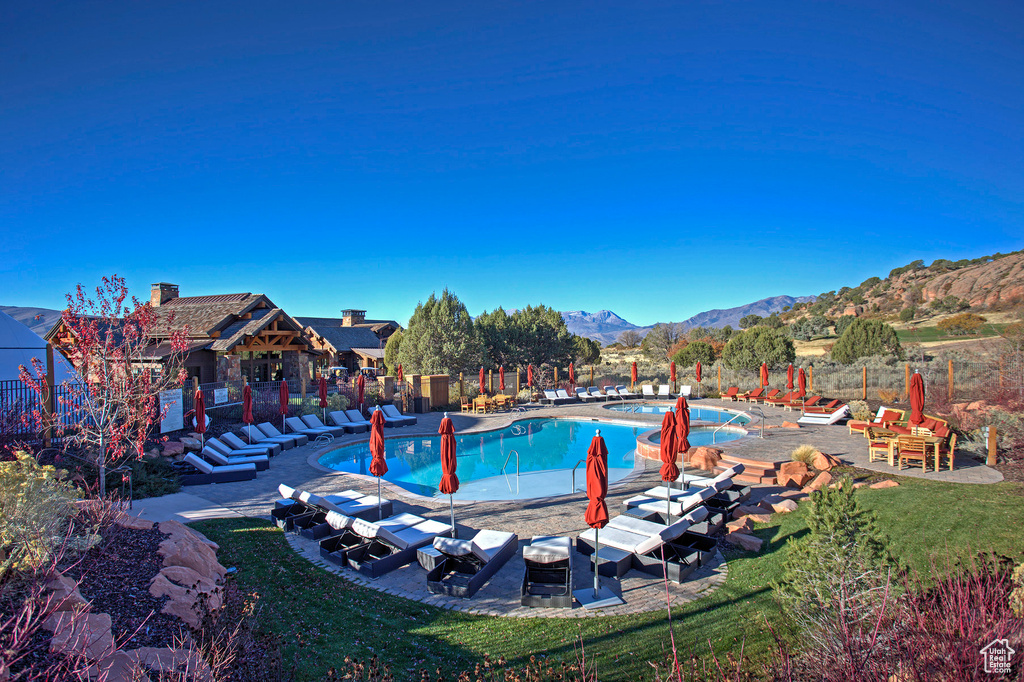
[{"x": 229, "y": 368}]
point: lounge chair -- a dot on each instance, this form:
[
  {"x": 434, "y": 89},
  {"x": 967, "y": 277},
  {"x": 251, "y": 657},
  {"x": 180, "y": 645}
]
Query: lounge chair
[
  {"x": 584, "y": 395},
  {"x": 392, "y": 411},
  {"x": 798, "y": 403},
  {"x": 339, "y": 418},
  {"x": 389, "y": 421},
  {"x": 825, "y": 418},
  {"x": 197, "y": 471},
  {"x": 770, "y": 395},
  {"x": 647, "y": 391},
  {"x": 685, "y": 391},
  {"x": 663, "y": 391},
  {"x": 231, "y": 445},
  {"x": 596, "y": 394},
  {"x": 547, "y": 582},
  {"x": 825, "y": 408},
  {"x": 883, "y": 418},
  {"x": 624, "y": 392},
  {"x": 564, "y": 397},
  {"x": 722, "y": 481},
  {"x": 356, "y": 417},
  {"x": 313, "y": 422},
  {"x": 298, "y": 439},
  {"x": 341, "y": 539},
  {"x": 780, "y": 400},
  {"x": 467, "y": 564},
  {"x": 297, "y": 426},
  {"x": 611, "y": 392},
  {"x": 305, "y": 513},
  {"x": 751, "y": 396},
  {"x": 213, "y": 456},
  {"x": 387, "y": 548},
  {"x": 678, "y": 507},
  {"x": 627, "y": 538},
  {"x": 731, "y": 394},
  {"x": 549, "y": 397}
]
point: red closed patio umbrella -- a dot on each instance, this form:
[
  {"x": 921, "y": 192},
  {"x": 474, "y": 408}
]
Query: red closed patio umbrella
[
  {"x": 247, "y": 410},
  {"x": 449, "y": 481},
  {"x": 597, "y": 488},
  {"x": 501, "y": 378},
  {"x": 801, "y": 381},
  {"x": 789, "y": 376},
  {"x": 697, "y": 373},
  {"x": 400, "y": 375},
  {"x": 916, "y": 395},
  {"x": 378, "y": 465},
  {"x": 632, "y": 374},
  {"x": 200, "y": 405},
  {"x": 572, "y": 375},
  {"x": 529, "y": 376},
  {"x": 683, "y": 431},
  {"x": 672, "y": 374},
  {"x": 283, "y": 397},
  {"x": 483, "y": 390},
  {"x": 323, "y": 395},
  {"x": 360, "y": 390},
  {"x": 764, "y": 375},
  {"x": 669, "y": 470}
]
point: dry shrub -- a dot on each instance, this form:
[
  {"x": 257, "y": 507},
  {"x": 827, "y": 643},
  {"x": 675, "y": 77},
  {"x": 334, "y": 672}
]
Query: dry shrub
[
  {"x": 804, "y": 453},
  {"x": 888, "y": 395}
]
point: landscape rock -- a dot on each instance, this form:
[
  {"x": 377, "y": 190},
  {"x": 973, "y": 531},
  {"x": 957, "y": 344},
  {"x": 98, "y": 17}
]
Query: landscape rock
[
  {"x": 173, "y": 449},
  {"x": 795, "y": 495},
  {"x": 192, "y": 553},
  {"x": 823, "y": 462},
  {"x": 756, "y": 514},
  {"x": 744, "y": 524},
  {"x": 121, "y": 666},
  {"x": 85, "y": 633},
  {"x": 705, "y": 458},
  {"x": 188, "y": 592},
  {"x": 177, "y": 529},
  {"x": 191, "y": 444},
  {"x": 62, "y": 594},
  {"x": 784, "y": 506},
  {"x": 133, "y": 522},
  {"x": 790, "y": 425},
  {"x": 131, "y": 665},
  {"x": 884, "y": 484},
  {"x": 794, "y": 480},
  {"x": 747, "y": 542},
  {"x": 819, "y": 482},
  {"x": 859, "y": 485},
  {"x": 794, "y": 468}
]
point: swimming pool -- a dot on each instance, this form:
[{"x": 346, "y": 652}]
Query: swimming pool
[
  {"x": 548, "y": 450},
  {"x": 696, "y": 413}
]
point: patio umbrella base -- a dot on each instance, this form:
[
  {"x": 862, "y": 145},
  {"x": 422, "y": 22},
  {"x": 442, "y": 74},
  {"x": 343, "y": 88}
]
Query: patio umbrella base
[{"x": 605, "y": 597}]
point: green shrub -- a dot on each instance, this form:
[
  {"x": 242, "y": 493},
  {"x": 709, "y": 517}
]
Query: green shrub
[
  {"x": 36, "y": 503},
  {"x": 866, "y": 337},
  {"x": 150, "y": 478},
  {"x": 907, "y": 314},
  {"x": 747, "y": 350},
  {"x": 1017, "y": 595}
]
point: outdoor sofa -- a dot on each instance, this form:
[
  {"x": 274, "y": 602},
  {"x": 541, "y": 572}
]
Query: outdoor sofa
[{"x": 197, "y": 471}]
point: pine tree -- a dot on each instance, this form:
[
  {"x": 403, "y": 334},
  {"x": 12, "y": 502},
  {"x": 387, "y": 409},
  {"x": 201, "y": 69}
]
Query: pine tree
[{"x": 440, "y": 338}]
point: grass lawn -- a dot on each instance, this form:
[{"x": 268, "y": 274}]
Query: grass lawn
[
  {"x": 933, "y": 333},
  {"x": 322, "y": 618}
]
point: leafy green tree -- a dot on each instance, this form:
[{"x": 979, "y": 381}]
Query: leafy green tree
[
  {"x": 660, "y": 339},
  {"x": 843, "y": 323},
  {"x": 748, "y": 349},
  {"x": 694, "y": 352},
  {"x": 949, "y": 304},
  {"x": 630, "y": 338},
  {"x": 907, "y": 314},
  {"x": 751, "y": 320},
  {"x": 540, "y": 337},
  {"x": 962, "y": 324},
  {"x": 499, "y": 336},
  {"x": 864, "y": 338},
  {"x": 586, "y": 351},
  {"x": 391, "y": 352},
  {"x": 440, "y": 338}
]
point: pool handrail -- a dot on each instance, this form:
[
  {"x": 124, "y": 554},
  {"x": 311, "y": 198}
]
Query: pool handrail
[
  {"x": 574, "y": 475},
  {"x": 510, "y": 453},
  {"x": 761, "y": 412},
  {"x": 715, "y": 432}
]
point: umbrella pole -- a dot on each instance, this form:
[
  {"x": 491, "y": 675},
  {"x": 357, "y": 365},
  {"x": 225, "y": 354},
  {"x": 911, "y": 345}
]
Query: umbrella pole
[
  {"x": 597, "y": 571},
  {"x": 451, "y": 501},
  {"x": 380, "y": 516},
  {"x": 668, "y": 503}
]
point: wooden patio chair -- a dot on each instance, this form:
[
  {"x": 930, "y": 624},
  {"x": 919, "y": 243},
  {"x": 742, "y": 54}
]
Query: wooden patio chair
[
  {"x": 466, "y": 406},
  {"x": 912, "y": 449},
  {"x": 879, "y": 448},
  {"x": 947, "y": 450}
]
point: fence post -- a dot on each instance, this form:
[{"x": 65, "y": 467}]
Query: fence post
[
  {"x": 1001, "y": 372},
  {"x": 951, "y": 380},
  {"x": 462, "y": 387},
  {"x": 490, "y": 381},
  {"x": 49, "y": 406},
  {"x": 864, "y": 384},
  {"x": 991, "y": 446},
  {"x": 906, "y": 379},
  {"x": 517, "y": 382},
  {"x": 591, "y": 375},
  {"x": 810, "y": 376},
  {"x": 719, "y": 380},
  {"x": 556, "y": 375}
]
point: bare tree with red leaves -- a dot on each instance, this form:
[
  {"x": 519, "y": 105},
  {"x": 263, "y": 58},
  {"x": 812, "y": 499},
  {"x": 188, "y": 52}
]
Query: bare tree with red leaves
[{"x": 116, "y": 400}]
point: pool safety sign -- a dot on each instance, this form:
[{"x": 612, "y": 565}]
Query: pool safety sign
[
  {"x": 997, "y": 657},
  {"x": 171, "y": 409},
  {"x": 220, "y": 395}
]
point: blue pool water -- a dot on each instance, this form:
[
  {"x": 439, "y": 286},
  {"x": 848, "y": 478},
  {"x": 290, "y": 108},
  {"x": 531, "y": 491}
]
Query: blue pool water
[
  {"x": 548, "y": 450},
  {"x": 698, "y": 413}
]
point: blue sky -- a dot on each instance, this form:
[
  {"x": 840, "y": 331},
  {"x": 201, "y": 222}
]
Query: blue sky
[{"x": 656, "y": 159}]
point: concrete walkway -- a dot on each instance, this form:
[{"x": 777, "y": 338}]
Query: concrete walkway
[{"x": 561, "y": 515}]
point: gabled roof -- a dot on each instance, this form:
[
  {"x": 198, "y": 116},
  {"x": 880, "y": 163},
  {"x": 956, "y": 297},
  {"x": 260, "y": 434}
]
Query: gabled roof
[
  {"x": 204, "y": 315},
  {"x": 340, "y": 338},
  {"x": 236, "y": 332}
]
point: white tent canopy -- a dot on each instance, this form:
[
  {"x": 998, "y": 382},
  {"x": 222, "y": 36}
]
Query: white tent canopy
[{"x": 19, "y": 344}]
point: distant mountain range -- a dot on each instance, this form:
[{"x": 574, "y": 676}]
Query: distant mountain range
[
  {"x": 39, "y": 320},
  {"x": 605, "y": 326}
]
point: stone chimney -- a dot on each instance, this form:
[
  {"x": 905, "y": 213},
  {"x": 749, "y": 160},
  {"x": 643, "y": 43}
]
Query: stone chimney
[
  {"x": 162, "y": 292},
  {"x": 350, "y": 318}
]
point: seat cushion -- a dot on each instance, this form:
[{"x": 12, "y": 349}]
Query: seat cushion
[
  {"x": 453, "y": 546},
  {"x": 548, "y": 549},
  {"x": 616, "y": 537},
  {"x": 488, "y": 543},
  {"x": 416, "y": 536},
  {"x": 339, "y": 521}
]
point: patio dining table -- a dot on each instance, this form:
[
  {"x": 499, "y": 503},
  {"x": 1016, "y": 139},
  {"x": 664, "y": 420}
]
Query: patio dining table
[{"x": 934, "y": 442}]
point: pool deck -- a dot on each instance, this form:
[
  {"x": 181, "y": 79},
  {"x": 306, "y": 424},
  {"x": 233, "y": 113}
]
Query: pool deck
[{"x": 561, "y": 515}]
